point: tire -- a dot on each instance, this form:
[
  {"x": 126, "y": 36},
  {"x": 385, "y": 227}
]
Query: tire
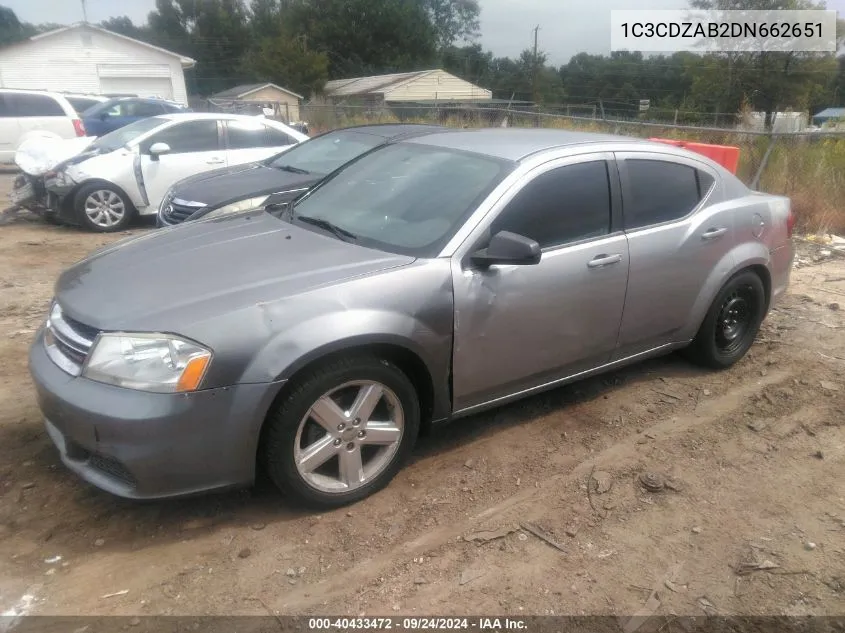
[
  {"x": 731, "y": 324},
  {"x": 115, "y": 210},
  {"x": 292, "y": 428}
]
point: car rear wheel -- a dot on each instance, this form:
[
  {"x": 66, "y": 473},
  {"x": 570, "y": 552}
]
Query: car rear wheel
[
  {"x": 103, "y": 208},
  {"x": 731, "y": 324},
  {"x": 342, "y": 432}
]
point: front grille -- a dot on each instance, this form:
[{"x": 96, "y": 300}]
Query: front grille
[
  {"x": 111, "y": 467},
  {"x": 176, "y": 211},
  {"x": 68, "y": 341}
]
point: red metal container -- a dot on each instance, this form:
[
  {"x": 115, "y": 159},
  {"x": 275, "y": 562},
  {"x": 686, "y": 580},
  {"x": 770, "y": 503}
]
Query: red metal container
[{"x": 725, "y": 155}]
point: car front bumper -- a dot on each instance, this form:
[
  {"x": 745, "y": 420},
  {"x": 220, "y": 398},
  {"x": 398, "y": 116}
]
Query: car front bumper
[{"x": 143, "y": 445}]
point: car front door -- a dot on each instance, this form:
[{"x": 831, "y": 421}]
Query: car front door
[
  {"x": 249, "y": 141},
  {"x": 194, "y": 148},
  {"x": 521, "y": 326},
  {"x": 676, "y": 241}
]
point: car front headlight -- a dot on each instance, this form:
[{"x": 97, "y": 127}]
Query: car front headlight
[
  {"x": 160, "y": 363},
  {"x": 236, "y": 207},
  {"x": 165, "y": 200},
  {"x": 62, "y": 179}
]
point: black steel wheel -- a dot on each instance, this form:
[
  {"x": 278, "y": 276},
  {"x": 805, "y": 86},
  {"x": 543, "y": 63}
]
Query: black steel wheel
[{"x": 731, "y": 324}]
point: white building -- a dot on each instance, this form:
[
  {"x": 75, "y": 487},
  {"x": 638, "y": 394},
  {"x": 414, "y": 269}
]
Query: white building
[{"x": 86, "y": 58}]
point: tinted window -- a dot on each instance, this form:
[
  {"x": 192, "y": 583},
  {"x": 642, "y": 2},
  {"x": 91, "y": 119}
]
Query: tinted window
[
  {"x": 191, "y": 136},
  {"x": 277, "y": 138},
  {"x": 141, "y": 109},
  {"x": 562, "y": 205},
  {"x": 705, "y": 181},
  {"x": 404, "y": 198},
  {"x": 660, "y": 192},
  {"x": 326, "y": 153},
  {"x": 24, "y": 105},
  {"x": 80, "y": 104},
  {"x": 248, "y": 134}
]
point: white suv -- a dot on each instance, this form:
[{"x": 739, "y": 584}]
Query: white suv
[{"x": 25, "y": 114}]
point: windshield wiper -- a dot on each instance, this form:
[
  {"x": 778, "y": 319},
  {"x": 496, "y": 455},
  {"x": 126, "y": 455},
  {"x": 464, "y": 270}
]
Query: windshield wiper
[
  {"x": 292, "y": 169},
  {"x": 346, "y": 236}
]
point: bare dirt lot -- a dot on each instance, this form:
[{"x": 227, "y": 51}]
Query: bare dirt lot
[{"x": 536, "y": 508}]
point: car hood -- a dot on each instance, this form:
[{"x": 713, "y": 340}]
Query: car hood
[
  {"x": 36, "y": 156},
  {"x": 171, "y": 278},
  {"x": 231, "y": 184}
]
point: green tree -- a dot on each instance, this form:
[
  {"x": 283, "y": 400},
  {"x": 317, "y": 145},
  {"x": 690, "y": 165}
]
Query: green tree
[
  {"x": 364, "y": 37},
  {"x": 769, "y": 80},
  {"x": 12, "y": 29},
  {"x": 454, "y": 20},
  {"x": 124, "y": 26},
  {"x": 214, "y": 32},
  {"x": 285, "y": 60}
]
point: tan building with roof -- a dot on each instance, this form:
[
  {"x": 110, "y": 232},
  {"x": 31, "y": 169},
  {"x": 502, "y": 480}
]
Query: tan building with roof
[{"x": 425, "y": 86}]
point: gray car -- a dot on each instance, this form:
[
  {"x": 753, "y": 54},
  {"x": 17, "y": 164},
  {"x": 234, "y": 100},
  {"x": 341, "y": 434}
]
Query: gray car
[{"x": 431, "y": 278}]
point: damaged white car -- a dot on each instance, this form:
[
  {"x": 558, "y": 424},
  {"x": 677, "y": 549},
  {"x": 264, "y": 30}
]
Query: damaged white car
[
  {"x": 36, "y": 157},
  {"x": 127, "y": 172}
]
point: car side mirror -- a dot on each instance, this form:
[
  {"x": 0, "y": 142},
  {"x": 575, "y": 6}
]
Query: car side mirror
[
  {"x": 157, "y": 149},
  {"x": 508, "y": 248},
  {"x": 104, "y": 116}
]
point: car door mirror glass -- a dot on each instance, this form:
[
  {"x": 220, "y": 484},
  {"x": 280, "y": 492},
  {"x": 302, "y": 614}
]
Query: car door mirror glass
[
  {"x": 508, "y": 248},
  {"x": 157, "y": 149}
]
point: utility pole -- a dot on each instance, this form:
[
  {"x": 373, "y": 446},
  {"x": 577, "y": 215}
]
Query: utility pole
[
  {"x": 84, "y": 12},
  {"x": 536, "y": 67}
]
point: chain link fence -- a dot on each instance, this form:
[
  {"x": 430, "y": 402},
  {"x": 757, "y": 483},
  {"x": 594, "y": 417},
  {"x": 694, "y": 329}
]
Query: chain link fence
[{"x": 809, "y": 167}]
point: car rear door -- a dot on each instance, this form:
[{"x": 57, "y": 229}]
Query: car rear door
[
  {"x": 42, "y": 113},
  {"x": 517, "y": 327},
  {"x": 252, "y": 140},
  {"x": 195, "y": 147},
  {"x": 676, "y": 240}
]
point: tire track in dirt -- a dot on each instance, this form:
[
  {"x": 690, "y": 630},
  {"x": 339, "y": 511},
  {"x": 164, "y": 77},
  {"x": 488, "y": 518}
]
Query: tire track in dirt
[{"x": 338, "y": 586}]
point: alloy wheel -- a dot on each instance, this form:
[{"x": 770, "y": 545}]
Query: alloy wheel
[
  {"x": 104, "y": 208},
  {"x": 349, "y": 436}
]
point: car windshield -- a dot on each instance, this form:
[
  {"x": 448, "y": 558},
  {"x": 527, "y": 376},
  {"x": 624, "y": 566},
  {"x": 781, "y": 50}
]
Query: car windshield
[
  {"x": 405, "y": 198},
  {"x": 323, "y": 154},
  {"x": 121, "y": 136},
  {"x": 99, "y": 107}
]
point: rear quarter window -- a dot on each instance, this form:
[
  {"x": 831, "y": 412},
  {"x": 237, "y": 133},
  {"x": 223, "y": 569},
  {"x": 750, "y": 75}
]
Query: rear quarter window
[
  {"x": 661, "y": 191},
  {"x": 26, "y": 105}
]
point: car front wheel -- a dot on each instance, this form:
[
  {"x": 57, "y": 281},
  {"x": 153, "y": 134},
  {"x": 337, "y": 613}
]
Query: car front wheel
[
  {"x": 103, "y": 208},
  {"x": 342, "y": 431},
  {"x": 731, "y": 324}
]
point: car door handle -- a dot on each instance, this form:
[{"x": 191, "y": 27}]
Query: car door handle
[
  {"x": 712, "y": 234},
  {"x": 604, "y": 260},
  {"x": 214, "y": 161}
]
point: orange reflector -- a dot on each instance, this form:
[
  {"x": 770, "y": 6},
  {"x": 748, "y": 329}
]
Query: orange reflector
[{"x": 193, "y": 374}]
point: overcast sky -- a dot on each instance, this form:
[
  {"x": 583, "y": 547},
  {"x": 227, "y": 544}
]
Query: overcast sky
[{"x": 567, "y": 27}]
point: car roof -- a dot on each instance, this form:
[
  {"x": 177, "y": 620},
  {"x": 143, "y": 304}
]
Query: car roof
[
  {"x": 514, "y": 143},
  {"x": 113, "y": 100},
  {"x": 176, "y": 116},
  {"x": 393, "y": 130}
]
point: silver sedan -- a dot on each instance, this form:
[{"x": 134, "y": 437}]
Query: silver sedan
[{"x": 431, "y": 278}]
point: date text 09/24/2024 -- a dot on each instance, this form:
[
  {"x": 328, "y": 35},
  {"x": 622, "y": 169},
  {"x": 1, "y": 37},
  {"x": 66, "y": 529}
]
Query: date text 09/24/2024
[{"x": 416, "y": 624}]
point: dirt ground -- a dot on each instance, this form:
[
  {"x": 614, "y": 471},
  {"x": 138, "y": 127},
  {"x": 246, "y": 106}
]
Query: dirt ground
[{"x": 536, "y": 508}]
